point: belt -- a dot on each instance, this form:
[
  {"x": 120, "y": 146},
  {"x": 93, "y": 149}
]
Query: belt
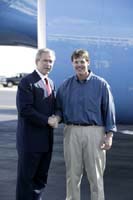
[{"x": 78, "y": 124}]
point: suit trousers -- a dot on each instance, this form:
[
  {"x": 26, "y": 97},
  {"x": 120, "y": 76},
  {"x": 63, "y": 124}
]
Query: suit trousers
[
  {"x": 82, "y": 151},
  {"x": 32, "y": 174}
]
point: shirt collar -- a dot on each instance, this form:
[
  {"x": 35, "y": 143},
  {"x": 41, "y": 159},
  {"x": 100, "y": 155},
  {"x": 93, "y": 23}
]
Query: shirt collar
[
  {"x": 41, "y": 75},
  {"x": 88, "y": 78}
]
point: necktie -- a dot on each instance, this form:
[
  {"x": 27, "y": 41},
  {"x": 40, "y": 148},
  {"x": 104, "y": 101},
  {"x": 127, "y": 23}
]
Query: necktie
[{"x": 48, "y": 87}]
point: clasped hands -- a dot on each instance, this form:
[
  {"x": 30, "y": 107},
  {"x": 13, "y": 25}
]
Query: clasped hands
[
  {"x": 53, "y": 121},
  {"x": 106, "y": 144}
]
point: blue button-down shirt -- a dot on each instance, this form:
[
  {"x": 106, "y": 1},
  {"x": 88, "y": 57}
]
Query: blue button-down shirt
[{"x": 86, "y": 102}]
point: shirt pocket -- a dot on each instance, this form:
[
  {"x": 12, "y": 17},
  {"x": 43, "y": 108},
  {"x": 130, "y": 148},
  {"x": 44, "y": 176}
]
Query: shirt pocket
[{"x": 92, "y": 103}]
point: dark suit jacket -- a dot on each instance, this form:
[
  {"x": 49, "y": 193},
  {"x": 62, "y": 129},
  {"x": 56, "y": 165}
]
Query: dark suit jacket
[{"x": 34, "y": 107}]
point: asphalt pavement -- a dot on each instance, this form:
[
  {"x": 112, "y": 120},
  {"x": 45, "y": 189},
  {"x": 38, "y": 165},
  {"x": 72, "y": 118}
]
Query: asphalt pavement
[{"x": 118, "y": 178}]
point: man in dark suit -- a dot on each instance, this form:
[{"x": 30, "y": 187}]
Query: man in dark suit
[{"x": 35, "y": 104}]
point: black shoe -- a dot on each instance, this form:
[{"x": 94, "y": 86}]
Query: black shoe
[{"x": 37, "y": 196}]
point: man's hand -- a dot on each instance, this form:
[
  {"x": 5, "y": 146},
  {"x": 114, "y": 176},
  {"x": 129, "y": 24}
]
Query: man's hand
[
  {"x": 107, "y": 141},
  {"x": 53, "y": 121}
]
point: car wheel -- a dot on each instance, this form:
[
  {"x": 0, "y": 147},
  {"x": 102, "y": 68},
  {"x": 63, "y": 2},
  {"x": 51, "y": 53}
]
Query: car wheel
[{"x": 10, "y": 84}]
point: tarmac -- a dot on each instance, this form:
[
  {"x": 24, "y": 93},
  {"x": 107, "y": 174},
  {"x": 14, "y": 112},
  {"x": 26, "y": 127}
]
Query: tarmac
[{"x": 118, "y": 178}]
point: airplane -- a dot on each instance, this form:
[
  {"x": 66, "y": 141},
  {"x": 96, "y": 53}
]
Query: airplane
[{"x": 104, "y": 28}]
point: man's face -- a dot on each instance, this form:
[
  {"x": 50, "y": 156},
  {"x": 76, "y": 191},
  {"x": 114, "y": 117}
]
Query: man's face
[
  {"x": 81, "y": 66},
  {"x": 45, "y": 64}
]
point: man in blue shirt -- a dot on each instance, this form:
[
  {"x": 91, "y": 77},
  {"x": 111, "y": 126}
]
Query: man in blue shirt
[{"x": 85, "y": 104}]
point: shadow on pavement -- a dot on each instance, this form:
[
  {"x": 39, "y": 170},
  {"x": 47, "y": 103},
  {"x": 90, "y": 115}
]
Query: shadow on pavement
[{"x": 118, "y": 174}]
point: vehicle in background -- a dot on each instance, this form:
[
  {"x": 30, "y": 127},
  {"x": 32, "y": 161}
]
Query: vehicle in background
[
  {"x": 2, "y": 80},
  {"x": 107, "y": 37},
  {"x": 13, "y": 80}
]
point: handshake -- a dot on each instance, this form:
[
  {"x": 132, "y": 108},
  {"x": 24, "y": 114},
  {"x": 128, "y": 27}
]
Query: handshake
[{"x": 53, "y": 121}]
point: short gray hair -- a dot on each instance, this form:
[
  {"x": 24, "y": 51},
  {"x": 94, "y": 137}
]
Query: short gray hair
[{"x": 44, "y": 50}]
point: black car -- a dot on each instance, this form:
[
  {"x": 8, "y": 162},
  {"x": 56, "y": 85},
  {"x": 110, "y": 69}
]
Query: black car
[
  {"x": 14, "y": 80},
  {"x": 2, "y": 80}
]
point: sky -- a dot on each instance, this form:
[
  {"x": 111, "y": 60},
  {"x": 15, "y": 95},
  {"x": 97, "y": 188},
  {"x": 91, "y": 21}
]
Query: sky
[{"x": 15, "y": 59}]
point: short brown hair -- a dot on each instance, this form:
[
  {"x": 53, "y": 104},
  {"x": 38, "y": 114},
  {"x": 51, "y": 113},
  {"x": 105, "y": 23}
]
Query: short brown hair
[{"x": 80, "y": 53}]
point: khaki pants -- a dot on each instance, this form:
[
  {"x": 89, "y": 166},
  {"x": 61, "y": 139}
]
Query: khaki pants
[{"x": 82, "y": 150}]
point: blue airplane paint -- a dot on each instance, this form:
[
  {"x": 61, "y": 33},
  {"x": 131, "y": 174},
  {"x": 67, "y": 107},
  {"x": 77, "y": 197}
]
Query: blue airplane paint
[
  {"x": 104, "y": 28},
  {"x": 18, "y": 22}
]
